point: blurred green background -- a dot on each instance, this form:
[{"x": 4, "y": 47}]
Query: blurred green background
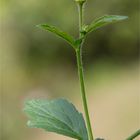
[{"x": 37, "y": 64}]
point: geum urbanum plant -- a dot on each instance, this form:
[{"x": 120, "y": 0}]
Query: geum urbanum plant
[{"x": 59, "y": 115}]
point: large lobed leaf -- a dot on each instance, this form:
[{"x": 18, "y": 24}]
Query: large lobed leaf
[
  {"x": 102, "y": 21},
  {"x": 58, "y": 116},
  {"x": 58, "y": 32}
]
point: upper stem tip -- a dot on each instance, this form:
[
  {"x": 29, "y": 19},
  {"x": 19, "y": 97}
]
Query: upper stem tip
[{"x": 81, "y": 2}]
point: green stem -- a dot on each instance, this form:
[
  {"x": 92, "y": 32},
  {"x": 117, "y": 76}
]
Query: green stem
[
  {"x": 81, "y": 75},
  {"x": 80, "y": 8},
  {"x": 137, "y": 133}
]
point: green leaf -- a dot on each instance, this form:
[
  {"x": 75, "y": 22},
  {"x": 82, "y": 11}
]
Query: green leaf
[
  {"x": 58, "y": 32},
  {"x": 58, "y": 116},
  {"x": 102, "y": 21}
]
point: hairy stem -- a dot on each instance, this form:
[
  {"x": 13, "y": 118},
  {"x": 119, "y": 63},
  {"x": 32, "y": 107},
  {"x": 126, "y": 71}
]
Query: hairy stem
[
  {"x": 81, "y": 74},
  {"x": 137, "y": 133}
]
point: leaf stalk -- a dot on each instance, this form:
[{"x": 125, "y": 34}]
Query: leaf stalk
[{"x": 134, "y": 135}]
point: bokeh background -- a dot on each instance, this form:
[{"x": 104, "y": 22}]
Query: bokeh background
[{"x": 37, "y": 64}]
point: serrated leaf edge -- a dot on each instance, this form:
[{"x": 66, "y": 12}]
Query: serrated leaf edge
[{"x": 51, "y": 116}]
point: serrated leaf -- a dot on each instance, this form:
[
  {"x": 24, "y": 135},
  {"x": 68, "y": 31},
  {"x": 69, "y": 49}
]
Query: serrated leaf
[
  {"x": 58, "y": 116},
  {"x": 103, "y": 21},
  {"x": 58, "y": 32}
]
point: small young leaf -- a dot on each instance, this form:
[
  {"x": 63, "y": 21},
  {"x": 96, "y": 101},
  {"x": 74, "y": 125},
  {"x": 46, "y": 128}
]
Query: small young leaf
[
  {"x": 58, "y": 32},
  {"x": 58, "y": 116},
  {"x": 102, "y": 21},
  {"x": 78, "y": 41}
]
